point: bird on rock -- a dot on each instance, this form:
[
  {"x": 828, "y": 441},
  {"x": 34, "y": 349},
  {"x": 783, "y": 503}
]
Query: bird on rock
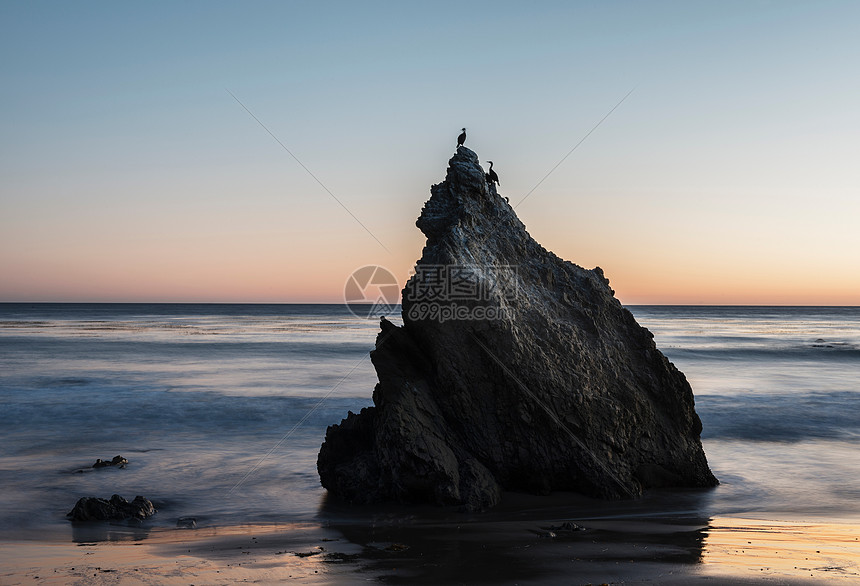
[
  {"x": 492, "y": 177},
  {"x": 462, "y": 138}
]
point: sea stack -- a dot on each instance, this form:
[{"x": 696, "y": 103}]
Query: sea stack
[{"x": 514, "y": 370}]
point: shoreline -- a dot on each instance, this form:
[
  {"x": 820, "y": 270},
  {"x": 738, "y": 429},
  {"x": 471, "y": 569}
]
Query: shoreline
[{"x": 670, "y": 549}]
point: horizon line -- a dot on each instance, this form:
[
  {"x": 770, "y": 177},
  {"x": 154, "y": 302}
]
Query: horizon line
[{"x": 371, "y": 304}]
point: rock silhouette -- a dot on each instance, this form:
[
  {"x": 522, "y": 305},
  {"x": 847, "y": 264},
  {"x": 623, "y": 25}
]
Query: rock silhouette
[
  {"x": 117, "y": 461},
  {"x": 90, "y": 508},
  {"x": 513, "y": 370}
]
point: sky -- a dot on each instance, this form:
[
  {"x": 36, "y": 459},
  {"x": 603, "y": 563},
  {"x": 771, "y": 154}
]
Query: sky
[{"x": 128, "y": 171}]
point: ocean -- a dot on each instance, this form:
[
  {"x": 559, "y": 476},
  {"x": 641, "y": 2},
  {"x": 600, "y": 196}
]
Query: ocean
[{"x": 221, "y": 409}]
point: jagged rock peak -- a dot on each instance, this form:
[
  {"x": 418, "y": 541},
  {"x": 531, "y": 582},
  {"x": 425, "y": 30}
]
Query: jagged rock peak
[{"x": 513, "y": 370}]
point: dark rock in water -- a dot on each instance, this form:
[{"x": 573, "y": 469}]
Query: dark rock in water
[
  {"x": 91, "y": 508},
  {"x": 118, "y": 461},
  {"x": 513, "y": 370}
]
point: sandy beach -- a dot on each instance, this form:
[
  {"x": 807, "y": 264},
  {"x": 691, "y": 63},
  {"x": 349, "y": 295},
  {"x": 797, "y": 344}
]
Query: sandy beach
[{"x": 396, "y": 544}]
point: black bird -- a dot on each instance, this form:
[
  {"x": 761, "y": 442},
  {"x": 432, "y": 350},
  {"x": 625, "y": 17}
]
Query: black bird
[
  {"x": 492, "y": 176},
  {"x": 462, "y": 138}
]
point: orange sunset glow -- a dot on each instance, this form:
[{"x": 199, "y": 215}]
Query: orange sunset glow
[{"x": 727, "y": 176}]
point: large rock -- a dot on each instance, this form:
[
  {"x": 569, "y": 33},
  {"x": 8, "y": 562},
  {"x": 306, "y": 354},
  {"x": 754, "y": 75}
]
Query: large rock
[{"x": 513, "y": 370}]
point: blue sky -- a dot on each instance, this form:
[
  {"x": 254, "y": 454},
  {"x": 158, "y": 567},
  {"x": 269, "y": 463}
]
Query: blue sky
[{"x": 129, "y": 173}]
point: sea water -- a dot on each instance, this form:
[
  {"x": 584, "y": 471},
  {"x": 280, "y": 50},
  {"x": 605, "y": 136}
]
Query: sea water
[
  {"x": 778, "y": 392},
  {"x": 221, "y": 409}
]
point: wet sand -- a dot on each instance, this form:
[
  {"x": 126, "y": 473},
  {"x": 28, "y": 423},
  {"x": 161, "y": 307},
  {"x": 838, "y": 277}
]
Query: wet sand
[{"x": 392, "y": 545}]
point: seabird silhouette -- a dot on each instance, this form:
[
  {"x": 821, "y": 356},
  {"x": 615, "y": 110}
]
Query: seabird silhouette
[{"x": 492, "y": 176}]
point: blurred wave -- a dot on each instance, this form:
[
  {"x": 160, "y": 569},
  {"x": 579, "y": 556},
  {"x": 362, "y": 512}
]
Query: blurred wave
[{"x": 196, "y": 396}]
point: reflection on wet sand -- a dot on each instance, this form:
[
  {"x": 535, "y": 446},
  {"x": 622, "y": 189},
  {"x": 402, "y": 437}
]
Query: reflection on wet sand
[
  {"x": 825, "y": 551},
  {"x": 391, "y": 546},
  {"x": 523, "y": 540},
  {"x": 103, "y": 531},
  {"x": 524, "y": 550}
]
